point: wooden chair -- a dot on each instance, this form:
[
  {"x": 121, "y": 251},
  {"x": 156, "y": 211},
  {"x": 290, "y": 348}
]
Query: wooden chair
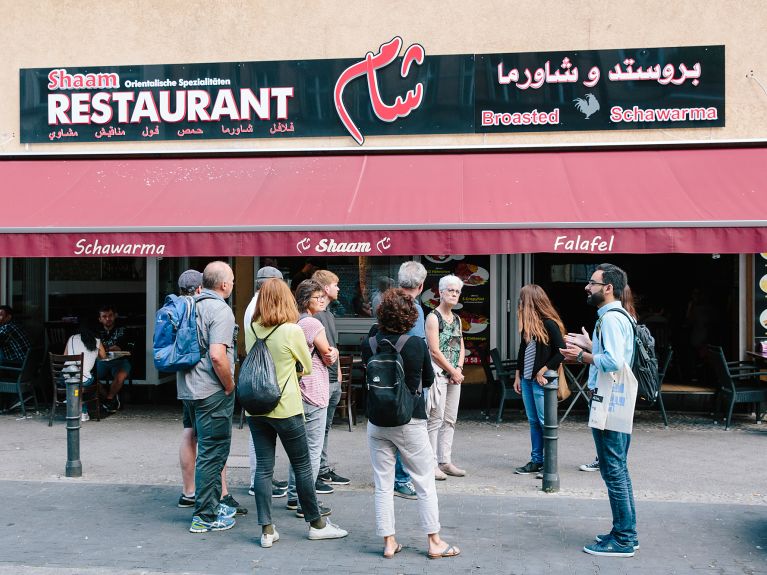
[
  {"x": 347, "y": 404},
  {"x": 21, "y": 379},
  {"x": 500, "y": 376},
  {"x": 69, "y": 368},
  {"x": 739, "y": 382}
]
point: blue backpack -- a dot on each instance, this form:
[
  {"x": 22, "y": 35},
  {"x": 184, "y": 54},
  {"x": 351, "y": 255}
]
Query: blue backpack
[{"x": 175, "y": 345}]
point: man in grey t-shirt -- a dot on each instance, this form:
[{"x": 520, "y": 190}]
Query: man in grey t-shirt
[{"x": 207, "y": 391}]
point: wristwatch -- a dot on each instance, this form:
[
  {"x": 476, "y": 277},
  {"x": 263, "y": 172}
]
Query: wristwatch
[{"x": 579, "y": 357}]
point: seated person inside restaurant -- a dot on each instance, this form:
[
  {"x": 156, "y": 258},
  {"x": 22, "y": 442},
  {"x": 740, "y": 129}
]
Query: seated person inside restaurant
[
  {"x": 14, "y": 343},
  {"x": 113, "y": 339},
  {"x": 89, "y": 345}
]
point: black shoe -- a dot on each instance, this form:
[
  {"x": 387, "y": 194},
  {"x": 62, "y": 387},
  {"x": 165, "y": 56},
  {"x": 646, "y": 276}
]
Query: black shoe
[
  {"x": 185, "y": 501},
  {"x": 529, "y": 468},
  {"x": 279, "y": 484},
  {"x": 278, "y": 492},
  {"x": 292, "y": 504},
  {"x": 322, "y": 488},
  {"x": 111, "y": 405},
  {"x": 324, "y": 511},
  {"x": 332, "y": 478},
  {"x": 232, "y": 502}
]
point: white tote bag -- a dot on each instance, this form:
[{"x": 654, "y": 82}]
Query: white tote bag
[{"x": 614, "y": 399}]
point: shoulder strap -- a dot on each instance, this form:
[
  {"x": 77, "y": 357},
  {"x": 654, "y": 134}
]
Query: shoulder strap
[
  {"x": 631, "y": 321},
  {"x": 401, "y": 341},
  {"x": 267, "y": 335},
  {"x": 440, "y": 319}
]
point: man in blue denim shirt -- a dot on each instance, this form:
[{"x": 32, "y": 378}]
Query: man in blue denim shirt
[{"x": 611, "y": 346}]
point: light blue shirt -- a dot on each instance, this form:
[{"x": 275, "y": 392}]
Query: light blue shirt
[
  {"x": 419, "y": 329},
  {"x": 612, "y": 342}
]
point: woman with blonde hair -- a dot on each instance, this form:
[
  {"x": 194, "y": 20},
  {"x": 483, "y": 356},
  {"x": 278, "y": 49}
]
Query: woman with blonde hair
[
  {"x": 274, "y": 321},
  {"x": 542, "y": 334}
]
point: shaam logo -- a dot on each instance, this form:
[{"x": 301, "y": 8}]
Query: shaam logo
[
  {"x": 330, "y": 245},
  {"x": 386, "y": 54}
]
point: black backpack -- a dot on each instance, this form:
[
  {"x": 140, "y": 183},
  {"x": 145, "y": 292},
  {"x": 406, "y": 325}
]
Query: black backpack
[
  {"x": 389, "y": 401},
  {"x": 257, "y": 388},
  {"x": 644, "y": 365}
]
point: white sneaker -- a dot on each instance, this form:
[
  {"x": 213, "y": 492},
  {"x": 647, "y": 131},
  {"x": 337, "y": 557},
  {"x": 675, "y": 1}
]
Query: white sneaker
[
  {"x": 267, "y": 539},
  {"x": 330, "y": 531},
  {"x": 594, "y": 466},
  {"x": 85, "y": 416}
]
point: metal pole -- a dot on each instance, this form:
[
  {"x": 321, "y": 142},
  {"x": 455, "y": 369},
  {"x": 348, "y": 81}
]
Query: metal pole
[
  {"x": 74, "y": 467},
  {"x": 550, "y": 433}
]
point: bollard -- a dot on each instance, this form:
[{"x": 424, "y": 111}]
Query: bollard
[
  {"x": 74, "y": 467},
  {"x": 550, "y": 433}
]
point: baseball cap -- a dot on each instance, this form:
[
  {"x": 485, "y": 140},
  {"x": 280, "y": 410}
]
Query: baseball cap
[
  {"x": 190, "y": 280},
  {"x": 268, "y": 272}
]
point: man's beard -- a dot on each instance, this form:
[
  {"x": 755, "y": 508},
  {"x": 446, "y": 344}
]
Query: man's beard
[{"x": 596, "y": 298}]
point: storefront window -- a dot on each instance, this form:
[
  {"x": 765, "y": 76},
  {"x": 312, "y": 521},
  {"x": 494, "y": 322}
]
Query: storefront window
[{"x": 361, "y": 278}]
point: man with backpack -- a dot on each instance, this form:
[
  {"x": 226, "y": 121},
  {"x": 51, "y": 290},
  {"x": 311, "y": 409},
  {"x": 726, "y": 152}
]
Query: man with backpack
[
  {"x": 612, "y": 345},
  {"x": 190, "y": 285},
  {"x": 208, "y": 394}
]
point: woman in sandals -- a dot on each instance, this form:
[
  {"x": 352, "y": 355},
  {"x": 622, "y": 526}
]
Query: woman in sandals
[
  {"x": 275, "y": 321},
  {"x": 542, "y": 336},
  {"x": 396, "y": 316}
]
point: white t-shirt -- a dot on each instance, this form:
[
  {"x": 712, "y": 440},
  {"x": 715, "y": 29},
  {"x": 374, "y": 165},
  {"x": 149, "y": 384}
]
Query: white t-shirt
[
  {"x": 75, "y": 346},
  {"x": 249, "y": 311}
]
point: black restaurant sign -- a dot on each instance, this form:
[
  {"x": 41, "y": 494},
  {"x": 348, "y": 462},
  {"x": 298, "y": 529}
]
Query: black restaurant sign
[{"x": 396, "y": 90}]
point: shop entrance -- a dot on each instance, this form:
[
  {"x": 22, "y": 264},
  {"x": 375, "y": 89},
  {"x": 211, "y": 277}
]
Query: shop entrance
[{"x": 687, "y": 300}]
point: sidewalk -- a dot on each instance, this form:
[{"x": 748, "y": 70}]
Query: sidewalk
[{"x": 700, "y": 491}]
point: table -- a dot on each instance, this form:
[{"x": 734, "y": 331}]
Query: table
[{"x": 577, "y": 377}]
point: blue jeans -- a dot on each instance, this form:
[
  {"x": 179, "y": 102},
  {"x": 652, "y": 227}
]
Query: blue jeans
[
  {"x": 333, "y": 400},
  {"x": 612, "y": 450},
  {"x": 401, "y": 476},
  {"x": 532, "y": 397}
]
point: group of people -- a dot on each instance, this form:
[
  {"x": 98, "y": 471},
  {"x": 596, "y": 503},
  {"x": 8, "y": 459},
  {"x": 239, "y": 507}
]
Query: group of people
[
  {"x": 94, "y": 343},
  {"x": 544, "y": 344},
  {"x": 301, "y": 336}
]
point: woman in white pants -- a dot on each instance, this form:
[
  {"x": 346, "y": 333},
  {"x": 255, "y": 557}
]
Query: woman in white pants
[
  {"x": 396, "y": 316},
  {"x": 445, "y": 339}
]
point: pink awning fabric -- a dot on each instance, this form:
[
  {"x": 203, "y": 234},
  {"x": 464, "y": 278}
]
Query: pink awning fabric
[{"x": 647, "y": 201}]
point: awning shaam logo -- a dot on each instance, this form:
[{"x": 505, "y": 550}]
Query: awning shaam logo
[{"x": 331, "y": 246}]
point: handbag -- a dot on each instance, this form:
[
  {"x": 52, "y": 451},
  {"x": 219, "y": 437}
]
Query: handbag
[
  {"x": 613, "y": 401},
  {"x": 563, "y": 390}
]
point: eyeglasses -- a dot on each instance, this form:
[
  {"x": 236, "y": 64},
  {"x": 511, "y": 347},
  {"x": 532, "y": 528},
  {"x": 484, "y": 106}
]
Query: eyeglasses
[
  {"x": 318, "y": 297},
  {"x": 455, "y": 291},
  {"x": 593, "y": 283}
]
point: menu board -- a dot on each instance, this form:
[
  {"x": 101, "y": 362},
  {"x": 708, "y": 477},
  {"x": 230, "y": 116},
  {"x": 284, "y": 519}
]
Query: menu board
[
  {"x": 474, "y": 304},
  {"x": 760, "y": 298}
]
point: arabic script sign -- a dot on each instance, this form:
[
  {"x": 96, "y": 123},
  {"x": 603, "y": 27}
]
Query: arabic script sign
[{"x": 396, "y": 90}]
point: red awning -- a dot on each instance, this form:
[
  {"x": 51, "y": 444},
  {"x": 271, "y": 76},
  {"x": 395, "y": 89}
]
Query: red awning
[{"x": 657, "y": 201}]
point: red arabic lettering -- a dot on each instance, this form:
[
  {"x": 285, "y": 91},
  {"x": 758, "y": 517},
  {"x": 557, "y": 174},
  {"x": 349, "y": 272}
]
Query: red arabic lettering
[{"x": 387, "y": 53}]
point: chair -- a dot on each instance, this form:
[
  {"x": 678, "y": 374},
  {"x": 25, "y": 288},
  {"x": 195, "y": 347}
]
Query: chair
[
  {"x": 729, "y": 376},
  {"x": 502, "y": 379},
  {"x": 662, "y": 370},
  {"x": 21, "y": 379},
  {"x": 70, "y": 368},
  {"x": 347, "y": 403}
]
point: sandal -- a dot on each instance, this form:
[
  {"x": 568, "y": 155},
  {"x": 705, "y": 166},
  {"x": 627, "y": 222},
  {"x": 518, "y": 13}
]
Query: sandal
[
  {"x": 397, "y": 549},
  {"x": 450, "y": 551}
]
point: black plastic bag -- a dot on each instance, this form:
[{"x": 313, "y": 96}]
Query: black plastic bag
[{"x": 257, "y": 388}]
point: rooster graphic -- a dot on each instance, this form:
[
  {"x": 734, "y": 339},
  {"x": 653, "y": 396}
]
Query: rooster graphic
[{"x": 588, "y": 105}]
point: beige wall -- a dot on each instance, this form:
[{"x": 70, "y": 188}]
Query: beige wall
[{"x": 110, "y": 32}]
